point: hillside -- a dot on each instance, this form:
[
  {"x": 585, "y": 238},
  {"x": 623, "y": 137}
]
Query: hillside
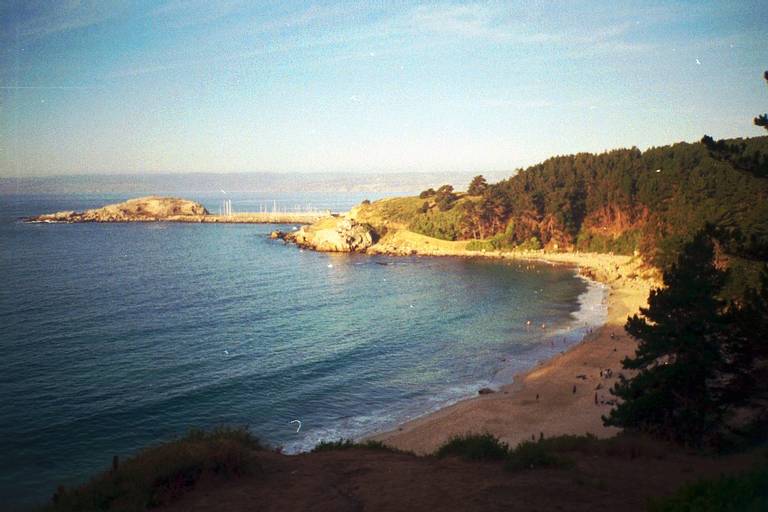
[{"x": 623, "y": 201}]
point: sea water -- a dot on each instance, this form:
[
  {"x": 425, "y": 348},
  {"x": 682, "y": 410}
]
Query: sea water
[{"x": 116, "y": 336}]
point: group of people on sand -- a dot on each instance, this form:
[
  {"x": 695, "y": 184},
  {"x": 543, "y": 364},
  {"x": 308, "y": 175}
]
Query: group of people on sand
[{"x": 606, "y": 374}]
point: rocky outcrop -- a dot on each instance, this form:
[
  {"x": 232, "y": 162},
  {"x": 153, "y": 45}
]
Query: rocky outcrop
[
  {"x": 340, "y": 235},
  {"x": 143, "y": 209}
]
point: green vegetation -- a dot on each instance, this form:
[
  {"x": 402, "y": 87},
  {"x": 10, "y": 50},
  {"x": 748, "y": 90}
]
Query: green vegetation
[
  {"x": 442, "y": 224},
  {"x": 626, "y": 243},
  {"x": 349, "y": 444},
  {"x": 445, "y": 197},
  {"x": 699, "y": 358},
  {"x": 477, "y": 186},
  {"x": 543, "y": 453},
  {"x": 160, "y": 474},
  {"x": 430, "y": 192},
  {"x": 621, "y": 201},
  {"x": 537, "y": 455},
  {"x": 747, "y": 492},
  {"x": 474, "y": 447},
  {"x": 662, "y": 197},
  {"x": 762, "y": 119}
]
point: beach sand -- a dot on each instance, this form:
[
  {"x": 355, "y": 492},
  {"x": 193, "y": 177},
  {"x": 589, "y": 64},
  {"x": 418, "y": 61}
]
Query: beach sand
[{"x": 542, "y": 400}]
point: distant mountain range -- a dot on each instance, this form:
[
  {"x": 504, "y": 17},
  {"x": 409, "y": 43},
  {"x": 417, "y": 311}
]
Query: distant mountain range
[{"x": 209, "y": 183}]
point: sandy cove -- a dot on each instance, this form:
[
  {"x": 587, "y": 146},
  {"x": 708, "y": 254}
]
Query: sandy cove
[{"x": 542, "y": 400}]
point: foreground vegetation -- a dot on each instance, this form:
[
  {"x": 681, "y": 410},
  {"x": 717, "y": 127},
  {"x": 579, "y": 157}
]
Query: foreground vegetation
[
  {"x": 551, "y": 452},
  {"x": 160, "y": 474},
  {"x": 747, "y": 492}
]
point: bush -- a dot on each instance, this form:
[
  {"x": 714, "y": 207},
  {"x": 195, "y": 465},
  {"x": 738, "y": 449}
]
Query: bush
[
  {"x": 746, "y": 492},
  {"x": 329, "y": 446},
  {"x": 427, "y": 193},
  {"x": 160, "y": 474},
  {"x": 532, "y": 244},
  {"x": 626, "y": 243},
  {"x": 444, "y": 198},
  {"x": 479, "y": 245},
  {"x": 349, "y": 444},
  {"x": 541, "y": 454},
  {"x": 474, "y": 447},
  {"x": 445, "y": 225},
  {"x": 498, "y": 242}
]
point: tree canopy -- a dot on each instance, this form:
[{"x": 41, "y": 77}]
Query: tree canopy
[{"x": 696, "y": 353}]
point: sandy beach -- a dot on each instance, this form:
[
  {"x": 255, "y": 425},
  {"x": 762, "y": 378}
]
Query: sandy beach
[{"x": 558, "y": 396}]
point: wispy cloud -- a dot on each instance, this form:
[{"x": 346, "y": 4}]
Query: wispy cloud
[
  {"x": 37, "y": 19},
  {"x": 495, "y": 23},
  {"x": 185, "y": 13},
  {"x": 337, "y": 30}
]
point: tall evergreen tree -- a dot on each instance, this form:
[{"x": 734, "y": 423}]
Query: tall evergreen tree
[
  {"x": 683, "y": 374},
  {"x": 477, "y": 186},
  {"x": 762, "y": 120}
]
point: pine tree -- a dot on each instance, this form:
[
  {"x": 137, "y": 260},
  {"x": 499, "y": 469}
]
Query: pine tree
[
  {"x": 477, "y": 186},
  {"x": 762, "y": 120},
  {"x": 679, "y": 391}
]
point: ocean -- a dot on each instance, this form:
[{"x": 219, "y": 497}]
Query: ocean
[{"x": 116, "y": 336}]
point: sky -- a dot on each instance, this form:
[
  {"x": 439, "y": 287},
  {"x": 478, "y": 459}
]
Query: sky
[{"x": 114, "y": 87}]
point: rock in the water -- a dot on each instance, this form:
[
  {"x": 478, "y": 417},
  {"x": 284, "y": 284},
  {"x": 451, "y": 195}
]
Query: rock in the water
[
  {"x": 151, "y": 208},
  {"x": 485, "y": 391},
  {"x": 340, "y": 235}
]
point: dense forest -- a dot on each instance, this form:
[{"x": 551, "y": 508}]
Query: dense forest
[{"x": 621, "y": 201}]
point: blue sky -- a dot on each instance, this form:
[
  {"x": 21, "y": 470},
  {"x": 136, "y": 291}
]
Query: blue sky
[{"x": 188, "y": 85}]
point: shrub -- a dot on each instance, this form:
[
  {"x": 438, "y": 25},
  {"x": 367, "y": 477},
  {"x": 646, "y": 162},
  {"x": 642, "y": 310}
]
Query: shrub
[
  {"x": 539, "y": 454},
  {"x": 626, "y": 243},
  {"x": 498, "y": 242},
  {"x": 445, "y": 225},
  {"x": 160, "y": 474},
  {"x": 479, "y": 245},
  {"x": 427, "y": 193},
  {"x": 444, "y": 198},
  {"x": 348, "y": 444},
  {"x": 532, "y": 244},
  {"x": 474, "y": 447},
  {"x": 745, "y": 492}
]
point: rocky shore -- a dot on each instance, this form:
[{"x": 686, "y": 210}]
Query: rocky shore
[{"x": 336, "y": 234}]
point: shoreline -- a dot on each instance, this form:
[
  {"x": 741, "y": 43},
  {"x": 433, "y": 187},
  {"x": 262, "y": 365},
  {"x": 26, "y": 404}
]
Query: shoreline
[{"x": 557, "y": 396}]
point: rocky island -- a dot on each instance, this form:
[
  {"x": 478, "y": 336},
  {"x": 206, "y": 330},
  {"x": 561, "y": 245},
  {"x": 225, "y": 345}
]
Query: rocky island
[
  {"x": 142, "y": 209},
  {"x": 172, "y": 209}
]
